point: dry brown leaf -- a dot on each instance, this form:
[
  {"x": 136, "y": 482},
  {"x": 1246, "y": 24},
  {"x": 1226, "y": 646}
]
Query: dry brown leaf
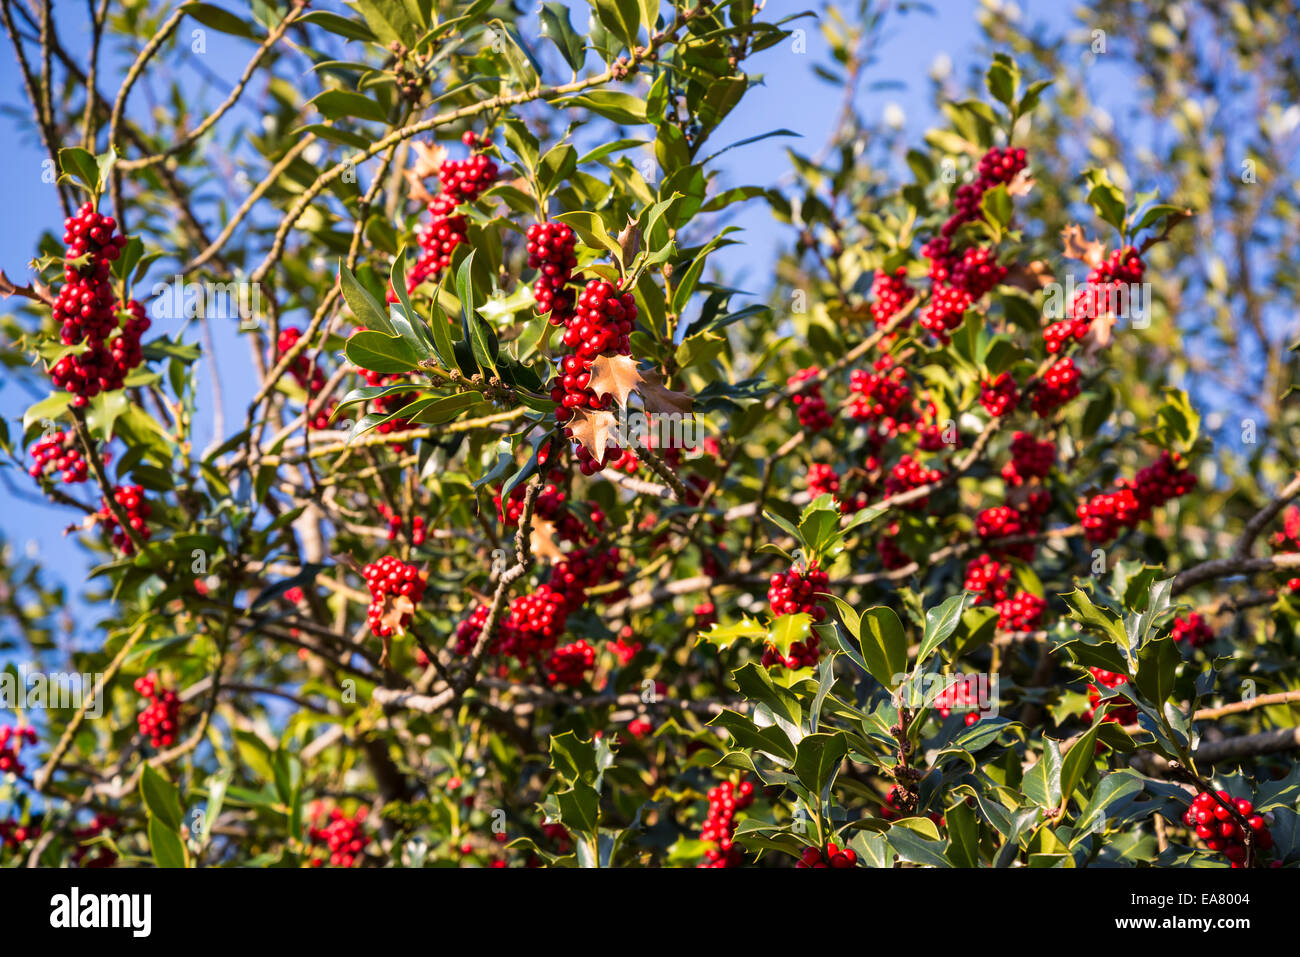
[
  {"x": 1077, "y": 245},
  {"x": 428, "y": 158},
  {"x": 615, "y": 375},
  {"x": 1099, "y": 333},
  {"x": 629, "y": 240},
  {"x": 396, "y": 607},
  {"x": 1030, "y": 277},
  {"x": 1022, "y": 185},
  {"x": 542, "y": 541},
  {"x": 658, "y": 398},
  {"x": 595, "y": 430}
]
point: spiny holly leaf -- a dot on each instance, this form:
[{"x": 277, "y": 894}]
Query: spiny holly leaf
[
  {"x": 614, "y": 375},
  {"x": 787, "y": 630},
  {"x": 542, "y": 541},
  {"x": 658, "y": 398},
  {"x": 595, "y": 430},
  {"x": 1077, "y": 245},
  {"x": 724, "y": 636},
  {"x": 619, "y": 376}
]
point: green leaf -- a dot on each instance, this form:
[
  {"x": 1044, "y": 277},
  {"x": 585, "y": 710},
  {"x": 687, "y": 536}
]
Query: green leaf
[
  {"x": 445, "y": 409},
  {"x": 337, "y": 104},
  {"x": 161, "y": 797},
  {"x": 340, "y": 26},
  {"x": 51, "y": 407},
  {"x": 787, "y": 630},
  {"x": 623, "y": 108},
  {"x": 756, "y": 685},
  {"x": 1003, "y": 79},
  {"x": 771, "y": 740},
  {"x": 724, "y": 636},
  {"x": 166, "y": 846},
  {"x": 1112, "y": 788},
  {"x": 80, "y": 165},
  {"x": 579, "y": 808},
  {"x": 557, "y": 28},
  {"x": 1157, "y": 665},
  {"x": 884, "y": 646},
  {"x": 221, "y": 20},
  {"x": 963, "y": 835},
  {"x": 365, "y": 309},
  {"x": 817, "y": 759},
  {"x": 591, "y": 230},
  {"x": 911, "y": 847},
  {"x": 1077, "y": 761},
  {"x": 940, "y": 622},
  {"x": 440, "y": 328},
  {"x": 103, "y": 411},
  {"x": 1042, "y": 783},
  {"x": 622, "y": 18},
  {"x": 574, "y": 759},
  {"x": 390, "y": 21},
  {"x": 380, "y": 353}
]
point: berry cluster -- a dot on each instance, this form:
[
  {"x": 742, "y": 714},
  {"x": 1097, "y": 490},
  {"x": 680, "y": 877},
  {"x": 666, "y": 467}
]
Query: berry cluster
[
  {"x": 57, "y": 454},
  {"x": 795, "y": 593},
  {"x": 130, "y": 499},
  {"x": 959, "y": 695},
  {"x": 997, "y": 167},
  {"x": 1219, "y": 829},
  {"x": 1059, "y": 384},
  {"x": 882, "y": 397},
  {"x": 161, "y": 716},
  {"x": 602, "y": 320},
  {"x": 908, "y": 474},
  {"x": 1000, "y": 396},
  {"x": 1104, "y": 515},
  {"x": 890, "y": 293},
  {"x": 960, "y": 278},
  {"x": 1118, "y": 713},
  {"x": 388, "y": 578},
  {"x": 342, "y": 835},
  {"x": 569, "y": 664},
  {"x": 833, "y": 857},
  {"x": 11, "y": 745},
  {"x": 460, "y": 181},
  {"x": 1103, "y": 294},
  {"x": 309, "y": 376},
  {"x": 1024, "y": 612},
  {"x": 822, "y": 480},
  {"x": 1193, "y": 629},
  {"x": 1288, "y": 540},
  {"x": 1030, "y": 459},
  {"x": 988, "y": 579},
  {"x": 808, "y": 401},
  {"x": 720, "y": 823},
  {"x": 551, "y": 250},
  {"x": 89, "y": 314}
]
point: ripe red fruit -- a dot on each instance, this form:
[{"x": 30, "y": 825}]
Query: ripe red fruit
[
  {"x": 387, "y": 579},
  {"x": 719, "y": 823},
  {"x": 160, "y": 719}
]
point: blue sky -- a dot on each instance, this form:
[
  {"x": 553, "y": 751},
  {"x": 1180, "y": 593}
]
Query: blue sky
[{"x": 792, "y": 98}]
